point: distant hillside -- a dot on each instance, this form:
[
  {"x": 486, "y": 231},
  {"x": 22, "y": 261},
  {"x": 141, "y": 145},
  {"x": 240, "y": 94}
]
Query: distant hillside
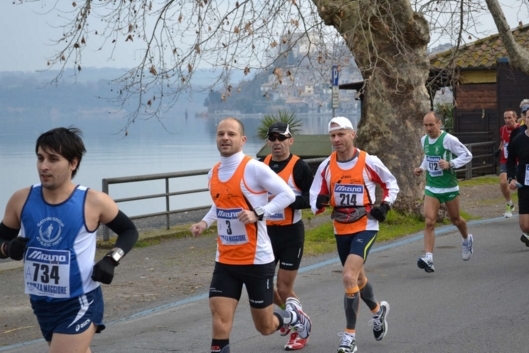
[{"x": 27, "y": 100}]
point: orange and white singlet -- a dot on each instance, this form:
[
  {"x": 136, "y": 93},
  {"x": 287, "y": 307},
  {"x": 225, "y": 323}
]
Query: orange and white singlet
[
  {"x": 353, "y": 183},
  {"x": 348, "y": 190},
  {"x": 288, "y": 215},
  {"x": 236, "y": 183}
]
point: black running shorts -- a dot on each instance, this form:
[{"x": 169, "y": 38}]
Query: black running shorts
[
  {"x": 523, "y": 200},
  {"x": 287, "y": 242},
  {"x": 228, "y": 280},
  {"x": 358, "y": 243}
]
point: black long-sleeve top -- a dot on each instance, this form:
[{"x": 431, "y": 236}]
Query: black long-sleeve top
[
  {"x": 302, "y": 177},
  {"x": 518, "y": 149},
  {"x": 516, "y": 131}
]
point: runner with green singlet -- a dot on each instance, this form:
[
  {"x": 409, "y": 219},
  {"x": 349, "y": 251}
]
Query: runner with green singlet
[{"x": 443, "y": 154}]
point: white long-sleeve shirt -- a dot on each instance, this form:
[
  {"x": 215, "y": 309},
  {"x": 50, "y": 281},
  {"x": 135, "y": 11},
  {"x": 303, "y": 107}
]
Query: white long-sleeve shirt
[
  {"x": 375, "y": 172},
  {"x": 452, "y": 144},
  {"x": 258, "y": 177}
]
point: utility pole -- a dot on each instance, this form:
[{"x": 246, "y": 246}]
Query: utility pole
[{"x": 335, "y": 90}]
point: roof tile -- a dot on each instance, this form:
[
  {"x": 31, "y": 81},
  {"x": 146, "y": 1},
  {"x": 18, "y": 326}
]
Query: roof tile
[{"x": 482, "y": 53}]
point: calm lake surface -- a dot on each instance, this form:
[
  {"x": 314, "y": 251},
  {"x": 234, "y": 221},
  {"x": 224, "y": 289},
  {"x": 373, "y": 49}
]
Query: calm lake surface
[{"x": 148, "y": 149}]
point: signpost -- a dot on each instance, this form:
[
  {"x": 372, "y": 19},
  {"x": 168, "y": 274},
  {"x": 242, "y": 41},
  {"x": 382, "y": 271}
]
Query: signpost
[{"x": 335, "y": 90}]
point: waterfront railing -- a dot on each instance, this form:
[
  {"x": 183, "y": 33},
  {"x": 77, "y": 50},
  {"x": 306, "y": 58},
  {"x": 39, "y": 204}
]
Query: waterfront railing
[{"x": 482, "y": 163}]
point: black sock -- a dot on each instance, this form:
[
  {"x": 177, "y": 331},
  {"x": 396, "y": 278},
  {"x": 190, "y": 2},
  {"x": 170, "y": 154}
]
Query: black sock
[{"x": 220, "y": 346}]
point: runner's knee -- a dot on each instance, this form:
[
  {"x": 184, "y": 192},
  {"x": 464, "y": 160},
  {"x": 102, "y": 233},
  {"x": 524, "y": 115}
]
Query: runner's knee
[{"x": 430, "y": 222}]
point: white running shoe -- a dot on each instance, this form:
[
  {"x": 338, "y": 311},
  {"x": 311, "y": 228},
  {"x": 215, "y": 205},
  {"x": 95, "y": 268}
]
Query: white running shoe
[
  {"x": 467, "y": 248},
  {"x": 348, "y": 344},
  {"x": 426, "y": 264},
  {"x": 293, "y": 303},
  {"x": 303, "y": 325},
  {"x": 508, "y": 211},
  {"x": 379, "y": 323}
]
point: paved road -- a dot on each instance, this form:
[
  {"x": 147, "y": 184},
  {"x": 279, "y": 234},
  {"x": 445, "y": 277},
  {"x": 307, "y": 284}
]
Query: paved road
[{"x": 477, "y": 306}]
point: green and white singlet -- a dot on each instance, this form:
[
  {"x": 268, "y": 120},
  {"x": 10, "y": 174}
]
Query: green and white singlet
[{"x": 439, "y": 181}]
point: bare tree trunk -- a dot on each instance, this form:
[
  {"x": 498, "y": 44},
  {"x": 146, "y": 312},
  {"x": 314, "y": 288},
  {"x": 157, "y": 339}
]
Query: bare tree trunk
[
  {"x": 518, "y": 55},
  {"x": 388, "y": 41}
]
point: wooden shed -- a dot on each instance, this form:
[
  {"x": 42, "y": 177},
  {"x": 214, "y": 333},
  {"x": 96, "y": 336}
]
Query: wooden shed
[{"x": 483, "y": 83}]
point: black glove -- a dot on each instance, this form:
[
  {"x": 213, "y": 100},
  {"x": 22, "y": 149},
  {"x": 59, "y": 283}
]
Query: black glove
[
  {"x": 497, "y": 153},
  {"x": 103, "y": 270},
  {"x": 15, "y": 248},
  {"x": 379, "y": 212},
  {"x": 322, "y": 201}
]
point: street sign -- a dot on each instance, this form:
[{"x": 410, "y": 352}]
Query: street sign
[
  {"x": 335, "y": 97},
  {"x": 335, "y": 75}
]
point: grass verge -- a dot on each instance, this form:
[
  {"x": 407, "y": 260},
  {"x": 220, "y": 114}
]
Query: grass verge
[
  {"x": 319, "y": 235},
  {"x": 320, "y": 239}
]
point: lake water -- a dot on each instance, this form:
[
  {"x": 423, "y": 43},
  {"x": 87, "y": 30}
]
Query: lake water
[{"x": 148, "y": 149}]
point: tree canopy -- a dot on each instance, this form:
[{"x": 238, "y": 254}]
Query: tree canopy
[{"x": 386, "y": 39}]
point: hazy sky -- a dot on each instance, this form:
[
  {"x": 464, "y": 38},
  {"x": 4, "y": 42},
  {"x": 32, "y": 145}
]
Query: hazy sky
[{"x": 26, "y": 36}]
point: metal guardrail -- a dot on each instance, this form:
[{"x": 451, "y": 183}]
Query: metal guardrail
[
  {"x": 167, "y": 194},
  {"x": 467, "y": 170}
]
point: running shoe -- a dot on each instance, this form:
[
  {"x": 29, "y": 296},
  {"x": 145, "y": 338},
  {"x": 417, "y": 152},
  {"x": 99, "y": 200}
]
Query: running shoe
[
  {"x": 348, "y": 344},
  {"x": 293, "y": 302},
  {"x": 295, "y": 342},
  {"x": 467, "y": 247},
  {"x": 303, "y": 325},
  {"x": 425, "y": 264},
  {"x": 285, "y": 330},
  {"x": 525, "y": 239},
  {"x": 290, "y": 304},
  {"x": 379, "y": 323},
  {"x": 509, "y": 209}
]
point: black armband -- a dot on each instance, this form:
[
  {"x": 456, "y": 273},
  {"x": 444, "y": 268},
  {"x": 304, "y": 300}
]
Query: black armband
[
  {"x": 7, "y": 233},
  {"x": 126, "y": 231}
]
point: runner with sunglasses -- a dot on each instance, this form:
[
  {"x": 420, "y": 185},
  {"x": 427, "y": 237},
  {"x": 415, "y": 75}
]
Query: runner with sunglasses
[{"x": 285, "y": 228}]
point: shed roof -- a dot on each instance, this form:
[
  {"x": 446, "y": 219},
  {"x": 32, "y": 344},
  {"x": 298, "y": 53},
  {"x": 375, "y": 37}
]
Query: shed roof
[
  {"x": 305, "y": 146},
  {"x": 482, "y": 54}
]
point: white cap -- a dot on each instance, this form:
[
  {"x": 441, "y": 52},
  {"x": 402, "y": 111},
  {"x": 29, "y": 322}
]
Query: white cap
[{"x": 342, "y": 122}]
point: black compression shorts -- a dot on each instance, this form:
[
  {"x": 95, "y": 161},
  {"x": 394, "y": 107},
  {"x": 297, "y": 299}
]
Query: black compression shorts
[
  {"x": 228, "y": 280},
  {"x": 287, "y": 242}
]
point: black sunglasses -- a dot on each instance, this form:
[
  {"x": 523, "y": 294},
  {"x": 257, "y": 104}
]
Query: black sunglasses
[{"x": 278, "y": 137}]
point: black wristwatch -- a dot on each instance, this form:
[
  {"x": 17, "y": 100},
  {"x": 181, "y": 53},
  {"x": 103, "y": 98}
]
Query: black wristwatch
[
  {"x": 509, "y": 180},
  {"x": 116, "y": 255},
  {"x": 259, "y": 212}
]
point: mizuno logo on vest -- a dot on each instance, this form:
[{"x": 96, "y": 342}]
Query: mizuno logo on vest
[
  {"x": 48, "y": 258},
  {"x": 231, "y": 214},
  {"x": 349, "y": 188}
]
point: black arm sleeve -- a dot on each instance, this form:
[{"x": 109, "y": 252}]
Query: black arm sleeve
[
  {"x": 7, "y": 233},
  {"x": 303, "y": 178},
  {"x": 126, "y": 231}
]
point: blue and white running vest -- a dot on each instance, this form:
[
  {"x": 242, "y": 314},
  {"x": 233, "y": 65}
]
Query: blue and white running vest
[{"x": 60, "y": 255}]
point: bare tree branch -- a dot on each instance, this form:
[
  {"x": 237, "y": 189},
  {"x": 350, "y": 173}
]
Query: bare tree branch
[{"x": 518, "y": 56}]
